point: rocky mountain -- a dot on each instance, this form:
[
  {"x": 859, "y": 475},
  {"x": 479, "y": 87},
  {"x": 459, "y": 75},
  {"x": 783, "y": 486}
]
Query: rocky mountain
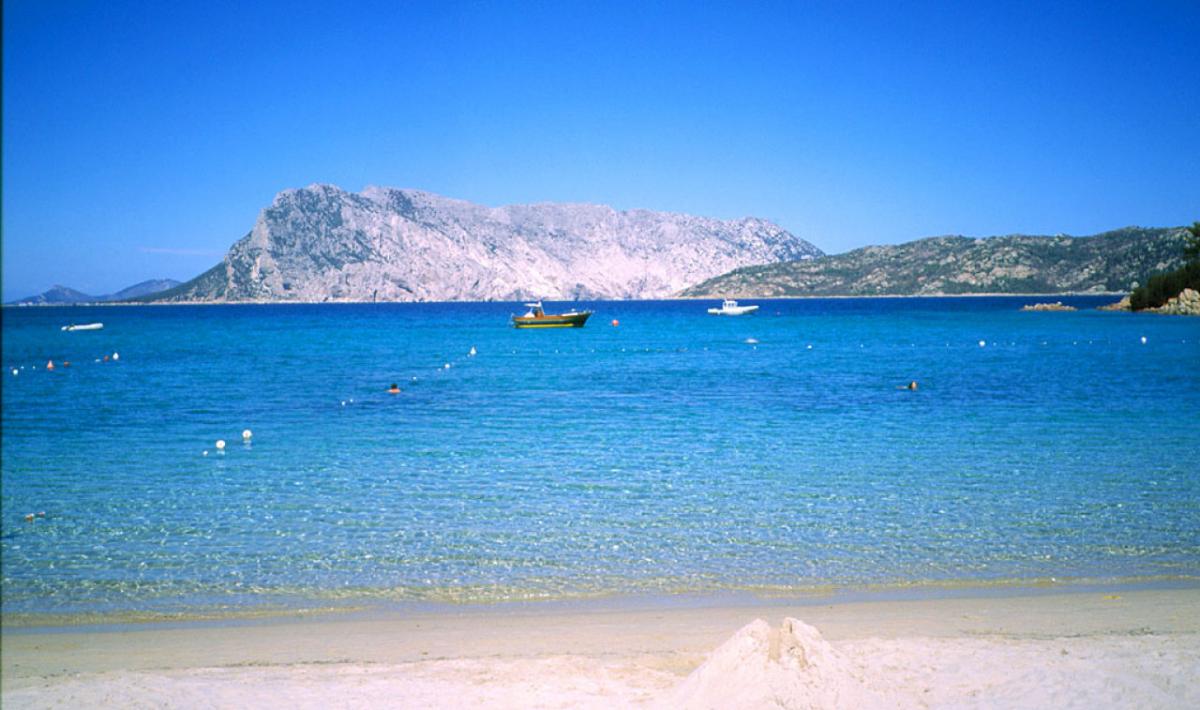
[
  {"x": 62, "y": 295},
  {"x": 1109, "y": 262},
  {"x": 322, "y": 243}
]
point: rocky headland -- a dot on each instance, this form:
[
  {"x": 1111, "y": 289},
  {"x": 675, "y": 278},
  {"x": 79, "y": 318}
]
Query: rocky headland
[
  {"x": 1186, "y": 303},
  {"x": 322, "y": 243}
]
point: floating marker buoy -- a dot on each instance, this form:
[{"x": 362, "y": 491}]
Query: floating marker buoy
[
  {"x": 615, "y": 322},
  {"x": 982, "y": 343},
  {"x": 246, "y": 434},
  {"x": 204, "y": 453},
  {"x": 343, "y": 403},
  {"x": 116, "y": 356},
  {"x": 446, "y": 366},
  {"x": 810, "y": 346},
  {"x": 472, "y": 352},
  {"x": 220, "y": 444},
  {"x": 14, "y": 372},
  {"x": 1143, "y": 340}
]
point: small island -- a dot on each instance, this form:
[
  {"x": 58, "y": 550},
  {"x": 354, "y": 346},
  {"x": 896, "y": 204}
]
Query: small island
[{"x": 1056, "y": 306}]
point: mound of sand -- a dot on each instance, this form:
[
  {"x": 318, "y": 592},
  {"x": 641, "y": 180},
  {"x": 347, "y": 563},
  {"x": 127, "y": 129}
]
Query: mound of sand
[{"x": 789, "y": 667}]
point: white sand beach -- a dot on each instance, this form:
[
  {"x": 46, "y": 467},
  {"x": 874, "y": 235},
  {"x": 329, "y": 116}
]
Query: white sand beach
[{"x": 1089, "y": 650}]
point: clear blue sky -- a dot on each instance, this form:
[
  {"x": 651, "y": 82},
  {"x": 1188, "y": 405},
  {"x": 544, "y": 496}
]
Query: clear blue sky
[{"x": 142, "y": 139}]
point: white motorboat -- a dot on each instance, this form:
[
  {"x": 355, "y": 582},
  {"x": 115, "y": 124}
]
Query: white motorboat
[
  {"x": 84, "y": 326},
  {"x": 729, "y": 307}
]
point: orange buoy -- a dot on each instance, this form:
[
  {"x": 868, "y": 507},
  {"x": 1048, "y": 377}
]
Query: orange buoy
[
  {"x": 615, "y": 322},
  {"x": 49, "y": 364}
]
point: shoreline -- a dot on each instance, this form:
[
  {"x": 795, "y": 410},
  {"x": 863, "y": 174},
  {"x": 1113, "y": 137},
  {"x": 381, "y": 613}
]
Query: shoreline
[
  {"x": 989, "y": 650},
  {"x": 1072, "y": 294},
  {"x": 380, "y": 606}
]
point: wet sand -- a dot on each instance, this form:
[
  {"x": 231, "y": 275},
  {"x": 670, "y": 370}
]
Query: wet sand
[{"x": 1120, "y": 649}]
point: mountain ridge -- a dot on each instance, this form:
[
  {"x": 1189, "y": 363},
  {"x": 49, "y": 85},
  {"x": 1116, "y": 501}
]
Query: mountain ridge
[
  {"x": 1108, "y": 262},
  {"x": 322, "y": 243},
  {"x": 65, "y": 295}
]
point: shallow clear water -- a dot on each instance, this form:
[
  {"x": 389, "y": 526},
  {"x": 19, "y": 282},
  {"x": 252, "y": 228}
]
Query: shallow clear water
[{"x": 664, "y": 455}]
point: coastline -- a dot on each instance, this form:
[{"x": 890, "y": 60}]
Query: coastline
[
  {"x": 990, "y": 650},
  {"x": 1070, "y": 294},
  {"x": 383, "y": 604}
]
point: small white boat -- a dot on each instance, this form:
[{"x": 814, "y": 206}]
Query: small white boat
[
  {"x": 84, "y": 326},
  {"x": 729, "y": 307}
]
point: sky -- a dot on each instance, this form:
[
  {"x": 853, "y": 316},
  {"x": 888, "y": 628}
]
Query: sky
[{"x": 140, "y": 140}]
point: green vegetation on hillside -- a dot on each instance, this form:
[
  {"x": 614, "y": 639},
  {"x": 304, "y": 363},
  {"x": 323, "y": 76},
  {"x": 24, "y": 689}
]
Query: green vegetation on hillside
[
  {"x": 1161, "y": 288},
  {"x": 1104, "y": 263}
]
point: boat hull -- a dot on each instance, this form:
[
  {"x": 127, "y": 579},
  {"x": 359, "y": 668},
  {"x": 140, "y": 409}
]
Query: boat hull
[
  {"x": 87, "y": 326},
  {"x": 738, "y": 311},
  {"x": 566, "y": 320}
]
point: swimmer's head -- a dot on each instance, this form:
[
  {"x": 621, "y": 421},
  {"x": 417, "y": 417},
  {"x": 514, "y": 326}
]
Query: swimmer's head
[{"x": 912, "y": 385}]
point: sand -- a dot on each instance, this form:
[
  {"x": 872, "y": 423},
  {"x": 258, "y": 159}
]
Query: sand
[{"x": 1088, "y": 650}]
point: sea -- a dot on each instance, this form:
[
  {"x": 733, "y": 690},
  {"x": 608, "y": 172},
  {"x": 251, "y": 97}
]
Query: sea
[{"x": 657, "y": 452}]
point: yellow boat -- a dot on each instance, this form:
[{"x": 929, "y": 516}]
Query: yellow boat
[{"x": 538, "y": 318}]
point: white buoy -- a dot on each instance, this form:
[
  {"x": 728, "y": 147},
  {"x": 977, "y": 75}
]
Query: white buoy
[
  {"x": 343, "y": 403},
  {"x": 1143, "y": 340},
  {"x": 116, "y": 356},
  {"x": 446, "y": 366},
  {"x": 14, "y": 372},
  {"x": 472, "y": 352},
  {"x": 246, "y": 434},
  {"x": 205, "y": 453},
  {"x": 982, "y": 343},
  {"x": 809, "y": 346},
  {"x": 220, "y": 444}
]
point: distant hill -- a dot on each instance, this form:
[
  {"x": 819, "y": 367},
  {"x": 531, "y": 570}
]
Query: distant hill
[
  {"x": 322, "y": 243},
  {"x": 57, "y": 295},
  {"x": 1109, "y": 262},
  {"x": 62, "y": 295},
  {"x": 144, "y": 288}
]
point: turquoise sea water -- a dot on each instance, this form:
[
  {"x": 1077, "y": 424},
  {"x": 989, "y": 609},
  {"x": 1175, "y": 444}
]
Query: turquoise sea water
[{"x": 665, "y": 455}]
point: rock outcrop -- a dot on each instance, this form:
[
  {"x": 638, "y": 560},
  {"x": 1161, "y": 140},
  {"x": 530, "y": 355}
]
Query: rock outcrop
[
  {"x": 1121, "y": 305},
  {"x": 1186, "y": 303},
  {"x": 1056, "y": 306},
  {"x": 322, "y": 243}
]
